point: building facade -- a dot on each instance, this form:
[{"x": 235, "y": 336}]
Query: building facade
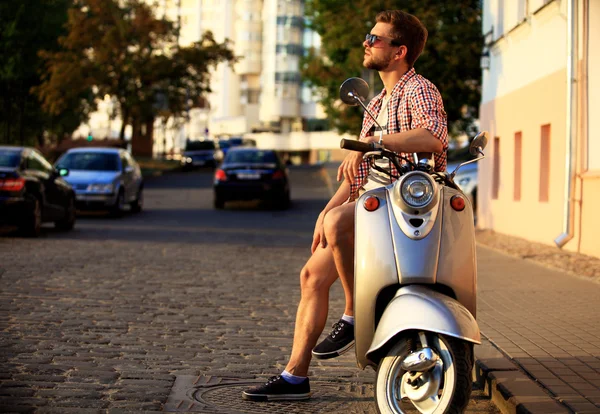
[
  {"x": 540, "y": 93},
  {"x": 261, "y": 97}
]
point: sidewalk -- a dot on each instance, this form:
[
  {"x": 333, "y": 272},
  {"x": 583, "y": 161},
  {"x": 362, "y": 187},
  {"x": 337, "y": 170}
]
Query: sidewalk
[{"x": 547, "y": 322}]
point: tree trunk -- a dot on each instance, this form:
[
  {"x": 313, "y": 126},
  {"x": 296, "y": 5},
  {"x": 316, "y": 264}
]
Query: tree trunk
[
  {"x": 141, "y": 138},
  {"x": 124, "y": 122}
]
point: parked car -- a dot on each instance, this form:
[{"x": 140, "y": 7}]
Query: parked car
[
  {"x": 103, "y": 178},
  {"x": 466, "y": 177},
  {"x": 201, "y": 154},
  {"x": 249, "y": 173},
  {"x": 33, "y": 192}
]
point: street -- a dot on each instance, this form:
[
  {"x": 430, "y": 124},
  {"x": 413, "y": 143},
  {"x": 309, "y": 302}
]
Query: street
[{"x": 177, "y": 308}]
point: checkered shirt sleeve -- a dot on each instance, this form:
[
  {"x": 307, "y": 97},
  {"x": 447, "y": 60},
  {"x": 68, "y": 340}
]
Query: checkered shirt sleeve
[{"x": 428, "y": 112}]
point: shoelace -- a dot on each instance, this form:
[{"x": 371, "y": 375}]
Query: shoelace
[
  {"x": 273, "y": 379},
  {"x": 337, "y": 327}
]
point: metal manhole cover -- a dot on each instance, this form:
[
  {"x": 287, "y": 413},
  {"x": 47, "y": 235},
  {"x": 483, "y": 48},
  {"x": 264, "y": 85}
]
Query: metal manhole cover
[{"x": 220, "y": 395}]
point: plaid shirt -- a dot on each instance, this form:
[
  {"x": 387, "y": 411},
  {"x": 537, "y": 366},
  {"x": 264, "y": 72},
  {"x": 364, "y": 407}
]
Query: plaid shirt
[{"x": 415, "y": 103}]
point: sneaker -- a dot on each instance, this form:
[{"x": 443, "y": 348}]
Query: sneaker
[
  {"x": 278, "y": 389},
  {"x": 339, "y": 340}
]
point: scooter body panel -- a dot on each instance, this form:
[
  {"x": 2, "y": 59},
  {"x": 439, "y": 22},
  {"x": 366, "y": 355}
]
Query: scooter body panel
[
  {"x": 376, "y": 258},
  {"x": 420, "y": 308},
  {"x": 390, "y": 251}
]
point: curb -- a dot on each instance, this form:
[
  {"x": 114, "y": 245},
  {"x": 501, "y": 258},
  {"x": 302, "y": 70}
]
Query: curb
[{"x": 510, "y": 389}]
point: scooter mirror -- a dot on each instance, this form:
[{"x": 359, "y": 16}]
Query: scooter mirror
[
  {"x": 479, "y": 143},
  {"x": 354, "y": 89}
]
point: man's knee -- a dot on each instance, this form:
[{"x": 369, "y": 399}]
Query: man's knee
[
  {"x": 311, "y": 280},
  {"x": 338, "y": 226}
]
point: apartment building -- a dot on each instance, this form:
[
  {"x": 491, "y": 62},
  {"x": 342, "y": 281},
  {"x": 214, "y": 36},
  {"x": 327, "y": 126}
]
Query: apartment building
[
  {"x": 540, "y": 93},
  {"x": 261, "y": 97}
]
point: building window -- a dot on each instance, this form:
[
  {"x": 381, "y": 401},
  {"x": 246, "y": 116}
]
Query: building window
[
  {"x": 518, "y": 164},
  {"x": 545, "y": 164},
  {"x": 496, "y": 170}
]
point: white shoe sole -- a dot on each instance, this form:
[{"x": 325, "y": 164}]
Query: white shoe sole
[
  {"x": 275, "y": 397},
  {"x": 334, "y": 354}
]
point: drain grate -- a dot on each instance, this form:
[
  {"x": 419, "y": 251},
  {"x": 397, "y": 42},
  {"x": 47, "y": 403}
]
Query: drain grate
[{"x": 214, "y": 395}]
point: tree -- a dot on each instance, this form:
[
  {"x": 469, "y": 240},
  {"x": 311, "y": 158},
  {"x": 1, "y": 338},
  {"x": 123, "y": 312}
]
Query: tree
[
  {"x": 26, "y": 26},
  {"x": 450, "y": 59},
  {"x": 119, "y": 48}
]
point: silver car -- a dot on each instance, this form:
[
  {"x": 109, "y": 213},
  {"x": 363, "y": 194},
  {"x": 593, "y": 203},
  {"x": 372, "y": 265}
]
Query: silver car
[{"x": 103, "y": 178}]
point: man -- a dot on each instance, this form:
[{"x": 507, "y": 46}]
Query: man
[{"x": 410, "y": 110}]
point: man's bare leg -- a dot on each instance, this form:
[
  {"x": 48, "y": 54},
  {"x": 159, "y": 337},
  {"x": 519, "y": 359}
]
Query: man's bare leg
[
  {"x": 316, "y": 279},
  {"x": 339, "y": 232}
]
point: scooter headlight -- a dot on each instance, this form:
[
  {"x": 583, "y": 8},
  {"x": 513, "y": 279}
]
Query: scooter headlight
[{"x": 417, "y": 190}]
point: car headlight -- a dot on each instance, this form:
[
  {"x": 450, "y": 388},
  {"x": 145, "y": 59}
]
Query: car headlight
[
  {"x": 101, "y": 188},
  {"x": 417, "y": 190}
]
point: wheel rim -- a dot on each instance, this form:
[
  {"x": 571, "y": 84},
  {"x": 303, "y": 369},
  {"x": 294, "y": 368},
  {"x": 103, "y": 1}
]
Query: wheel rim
[{"x": 427, "y": 401}]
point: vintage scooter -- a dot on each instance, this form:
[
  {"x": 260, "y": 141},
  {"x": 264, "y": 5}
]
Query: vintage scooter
[{"x": 415, "y": 281}]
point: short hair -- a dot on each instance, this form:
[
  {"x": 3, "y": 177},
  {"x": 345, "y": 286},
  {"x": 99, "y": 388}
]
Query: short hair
[{"x": 407, "y": 30}]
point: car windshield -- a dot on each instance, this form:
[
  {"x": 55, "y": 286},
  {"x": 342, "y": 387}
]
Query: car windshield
[
  {"x": 91, "y": 161},
  {"x": 199, "y": 145},
  {"x": 252, "y": 157},
  {"x": 10, "y": 159}
]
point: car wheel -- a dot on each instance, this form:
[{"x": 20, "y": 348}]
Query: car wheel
[
  {"x": 119, "y": 207},
  {"x": 32, "y": 226},
  {"x": 68, "y": 222},
  {"x": 284, "y": 202},
  {"x": 138, "y": 204},
  {"x": 219, "y": 203}
]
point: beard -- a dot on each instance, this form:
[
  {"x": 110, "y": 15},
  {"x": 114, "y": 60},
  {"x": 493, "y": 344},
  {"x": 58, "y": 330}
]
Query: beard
[{"x": 379, "y": 63}]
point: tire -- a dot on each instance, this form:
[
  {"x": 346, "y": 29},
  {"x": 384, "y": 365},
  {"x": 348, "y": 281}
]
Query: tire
[
  {"x": 219, "y": 203},
  {"x": 138, "y": 204},
  {"x": 32, "y": 226},
  {"x": 117, "y": 209},
  {"x": 68, "y": 222},
  {"x": 284, "y": 202},
  {"x": 455, "y": 384}
]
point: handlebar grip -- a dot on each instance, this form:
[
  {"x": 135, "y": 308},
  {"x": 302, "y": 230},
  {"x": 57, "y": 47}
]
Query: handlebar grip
[{"x": 354, "y": 145}]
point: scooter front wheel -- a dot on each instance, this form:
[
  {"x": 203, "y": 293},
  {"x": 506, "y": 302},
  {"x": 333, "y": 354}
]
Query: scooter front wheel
[{"x": 445, "y": 388}]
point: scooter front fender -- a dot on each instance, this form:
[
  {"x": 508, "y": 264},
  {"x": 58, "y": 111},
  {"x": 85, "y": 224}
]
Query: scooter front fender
[{"x": 417, "y": 307}]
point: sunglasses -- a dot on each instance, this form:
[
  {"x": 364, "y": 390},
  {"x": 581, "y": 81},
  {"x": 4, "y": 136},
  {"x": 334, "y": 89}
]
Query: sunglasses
[{"x": 371, "y": 39}]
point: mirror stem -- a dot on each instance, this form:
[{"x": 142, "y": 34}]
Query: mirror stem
[{"x": 366, "y": 110}]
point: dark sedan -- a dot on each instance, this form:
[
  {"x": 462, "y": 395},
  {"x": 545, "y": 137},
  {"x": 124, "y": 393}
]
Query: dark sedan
[
  {"x": 249, "y": 174},
  {"x": 33, "y": 192}
]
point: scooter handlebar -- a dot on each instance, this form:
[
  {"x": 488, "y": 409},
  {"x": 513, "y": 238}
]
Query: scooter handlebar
[{"x": 354, "y": 145}]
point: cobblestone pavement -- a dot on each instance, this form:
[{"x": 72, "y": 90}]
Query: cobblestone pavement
[
  {"x": 108, "y": 317},
  {"x": 546, "y": 320}
]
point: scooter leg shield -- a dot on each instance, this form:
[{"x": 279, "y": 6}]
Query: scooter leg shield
[{"x": 420, "y": 308}]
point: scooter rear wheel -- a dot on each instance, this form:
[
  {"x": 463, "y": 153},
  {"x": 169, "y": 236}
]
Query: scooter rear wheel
[{"x": 393, "y": 393}]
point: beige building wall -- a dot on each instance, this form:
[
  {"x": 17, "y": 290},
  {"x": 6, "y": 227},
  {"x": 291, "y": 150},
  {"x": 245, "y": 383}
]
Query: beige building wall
[
  {"x": 524, "y": 98},
  {"x": 525, "y": 110}
]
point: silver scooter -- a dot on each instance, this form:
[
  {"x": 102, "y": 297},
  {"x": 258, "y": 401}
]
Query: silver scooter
[{"x": 415, "y": 281}]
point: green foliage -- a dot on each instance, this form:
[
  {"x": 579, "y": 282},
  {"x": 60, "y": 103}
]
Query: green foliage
[
  {"x": 450, "y": 59},
  {"x": 119, "y": 48},
  {"x": 26, "y": 26}
]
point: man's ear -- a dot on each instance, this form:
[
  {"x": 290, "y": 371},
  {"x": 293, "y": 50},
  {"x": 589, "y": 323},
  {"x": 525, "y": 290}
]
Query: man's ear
[{"x": 402, "y": 52}]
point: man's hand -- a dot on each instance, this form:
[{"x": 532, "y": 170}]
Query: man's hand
[
  {"x": 319, "y": 234},
  {"x": 349, "y": 167}
]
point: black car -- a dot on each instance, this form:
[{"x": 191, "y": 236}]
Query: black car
[
  {"x": 200, "y": 154},
  {"x": 32, "y": 192},
  {"x": 250, "y": 173}
]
